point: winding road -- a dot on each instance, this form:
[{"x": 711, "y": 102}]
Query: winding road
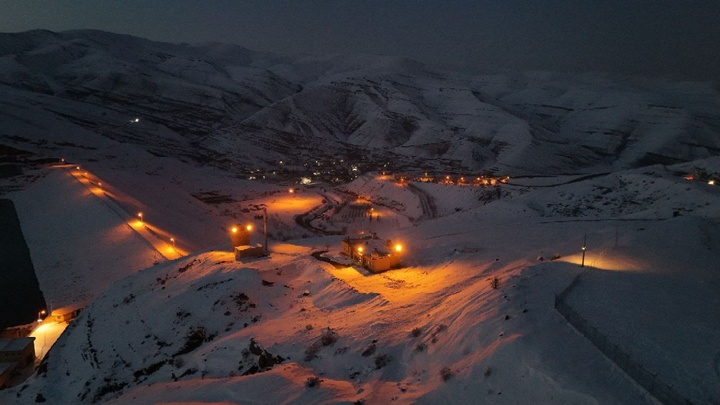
[{"x": 427, "y": 203}]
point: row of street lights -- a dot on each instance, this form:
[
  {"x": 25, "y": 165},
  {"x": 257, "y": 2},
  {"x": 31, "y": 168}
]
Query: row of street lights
[{"x": 141, "y": 217}]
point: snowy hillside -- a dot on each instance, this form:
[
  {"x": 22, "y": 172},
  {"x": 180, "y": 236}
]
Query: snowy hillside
[{"x": 293, "y": 329}]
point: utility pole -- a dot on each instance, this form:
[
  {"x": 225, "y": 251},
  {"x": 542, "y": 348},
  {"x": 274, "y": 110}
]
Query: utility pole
[
  {"x": 584, "y": 247},
  {"x": 265, "y": 246}
]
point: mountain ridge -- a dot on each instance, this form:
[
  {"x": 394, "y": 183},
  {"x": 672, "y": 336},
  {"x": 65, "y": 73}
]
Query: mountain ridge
[{"x": 215, "y": 99}]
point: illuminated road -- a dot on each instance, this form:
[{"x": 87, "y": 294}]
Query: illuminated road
[
  {"x": 158, "y": 239},
  {"x": 427, "y": 203},
  {"x": 45, "y": 336}
]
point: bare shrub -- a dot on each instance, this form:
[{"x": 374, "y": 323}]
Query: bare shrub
[
  {"x": 328, "y": 337},
  {"x": 312, "y": 382},
  {"x": 369, "y": 351},
  {"x": 382, "y": 361},
  {"x": 446, "y": 373}
]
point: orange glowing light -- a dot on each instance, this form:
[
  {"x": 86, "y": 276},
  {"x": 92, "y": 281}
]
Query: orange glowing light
[
  {"x": 398, "y": 248},
  {"x": 360, "y": 249},
  {"x": 234, "y": 229},
  {"x": 248, "y": 227},
  {"x": 291, "y": 191},
  {"x": 140, "y": 215}
]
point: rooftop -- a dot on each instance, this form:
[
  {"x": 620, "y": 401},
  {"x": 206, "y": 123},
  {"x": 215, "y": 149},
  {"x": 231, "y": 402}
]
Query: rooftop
[
  {"x": 66, "y": 309},
  {"x": 17, "y": 344}
]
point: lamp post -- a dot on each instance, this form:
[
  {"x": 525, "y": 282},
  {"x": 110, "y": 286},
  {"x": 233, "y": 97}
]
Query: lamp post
[
  {"x": 584, "y": 248},
  {"x": 265, "y": 245},
  {"x": 140, "y": 215}
]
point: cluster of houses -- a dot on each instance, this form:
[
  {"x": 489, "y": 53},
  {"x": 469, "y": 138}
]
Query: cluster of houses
[
  {"x": 482, "y": 181},
  {"x": 324, "y": 170}
]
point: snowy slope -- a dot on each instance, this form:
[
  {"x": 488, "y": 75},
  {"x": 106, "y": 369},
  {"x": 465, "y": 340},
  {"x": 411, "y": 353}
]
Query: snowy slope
[{"x": 205, "y": 328}]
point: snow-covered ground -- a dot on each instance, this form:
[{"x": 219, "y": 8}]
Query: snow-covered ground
[{"x": 292, "y": 329}]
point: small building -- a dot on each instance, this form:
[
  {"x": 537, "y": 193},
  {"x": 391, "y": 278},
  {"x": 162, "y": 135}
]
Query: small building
[
  {"x": 373, "y": 253},
  {"x": 66, "y": 314},
  {"x": 18, "y": 350},
  {"x": 426, "y": 178},
  {"x": 6, "y": 371},
  {"x": 247, "y": 251},
  {"x": 350, "y": 245}
]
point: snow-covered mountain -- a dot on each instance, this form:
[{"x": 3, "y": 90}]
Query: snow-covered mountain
[{"x": 233, "y": 105}]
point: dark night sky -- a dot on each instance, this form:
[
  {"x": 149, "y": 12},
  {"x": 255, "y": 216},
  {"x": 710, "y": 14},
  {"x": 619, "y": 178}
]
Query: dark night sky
[{"x": 678, "y": 39}]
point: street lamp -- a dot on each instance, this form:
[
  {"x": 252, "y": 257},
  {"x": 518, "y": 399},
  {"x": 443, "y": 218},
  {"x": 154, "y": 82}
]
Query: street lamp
[
  {"x": 584, "y": 248},
  {"x": 140, "y": 215},
  {"x": 398, "y": 248},
  {"x": 172, "y": 240}
]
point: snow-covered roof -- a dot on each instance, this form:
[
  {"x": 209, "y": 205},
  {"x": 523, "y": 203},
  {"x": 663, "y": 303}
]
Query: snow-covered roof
[
  {"x": 66, "y": 309},
  {"x": 14, "y": 345}
]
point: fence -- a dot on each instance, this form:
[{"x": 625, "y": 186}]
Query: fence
[{"x": 655, "y": 386}]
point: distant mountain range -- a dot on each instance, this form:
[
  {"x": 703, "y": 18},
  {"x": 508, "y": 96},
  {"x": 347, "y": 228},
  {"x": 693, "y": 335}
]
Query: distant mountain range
[{"x": 227, "y": 105}]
